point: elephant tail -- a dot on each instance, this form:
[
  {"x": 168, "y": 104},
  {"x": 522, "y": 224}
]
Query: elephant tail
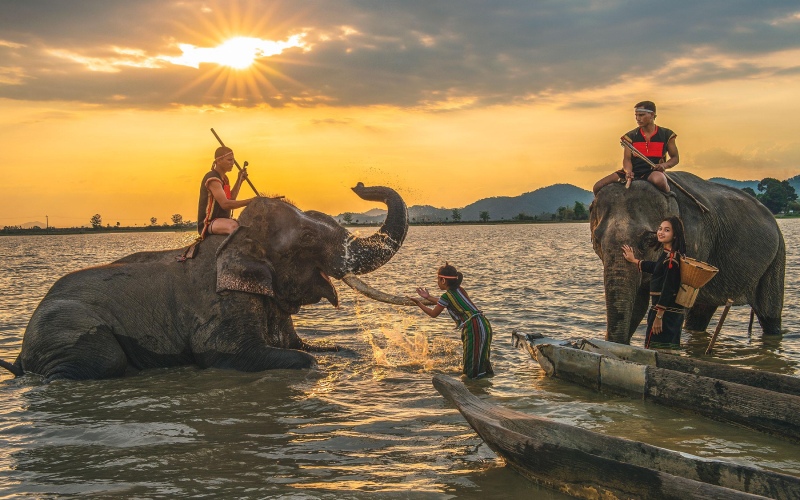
[{"x": 13, "y": 368}]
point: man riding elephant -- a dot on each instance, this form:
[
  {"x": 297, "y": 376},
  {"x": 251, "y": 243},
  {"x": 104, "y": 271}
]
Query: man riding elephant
[{"x": 725, "y": 227}]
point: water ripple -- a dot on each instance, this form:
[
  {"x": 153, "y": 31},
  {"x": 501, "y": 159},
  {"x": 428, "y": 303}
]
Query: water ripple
[{"x": 368, "y": 421}]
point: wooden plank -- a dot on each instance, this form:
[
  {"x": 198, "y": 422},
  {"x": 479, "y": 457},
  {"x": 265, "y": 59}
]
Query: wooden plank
[
  {"x": 621, "y": 351},
  {"x": 777, "y": 382},
  {"x": 786, "y": 384},
  {"x": 591, "y": 369},
  {"x": 587, "y": 464},
  {"x": 572, "y": 364},
  {"x": 760, "y": 409},
  {"x": 622, "y": 376}
]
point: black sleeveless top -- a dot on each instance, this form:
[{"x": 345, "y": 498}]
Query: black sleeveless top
[
  {"x": 207, "y": 208},
  {"x": 655, "y": 150}
]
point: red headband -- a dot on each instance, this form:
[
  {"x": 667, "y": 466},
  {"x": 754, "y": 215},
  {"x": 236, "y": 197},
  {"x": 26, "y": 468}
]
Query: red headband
[
  {"x": 223, "y": 156},
  {"x": 447, "y": 277}
]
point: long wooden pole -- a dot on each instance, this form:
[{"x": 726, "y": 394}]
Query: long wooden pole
[
  {"x": 626, "y": 144},
  {"x": 236, "y": 163},
  {"x": 719, "y": 325}
]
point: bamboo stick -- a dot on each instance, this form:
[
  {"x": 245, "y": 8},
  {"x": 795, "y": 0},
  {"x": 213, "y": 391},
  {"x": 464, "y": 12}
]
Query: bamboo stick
[
  {"x": 236, "y": 163},
  {"x": 719, "y": 325}
]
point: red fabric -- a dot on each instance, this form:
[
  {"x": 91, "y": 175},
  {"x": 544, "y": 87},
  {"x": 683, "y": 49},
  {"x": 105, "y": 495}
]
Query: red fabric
[{"x": 650, "y": 149}]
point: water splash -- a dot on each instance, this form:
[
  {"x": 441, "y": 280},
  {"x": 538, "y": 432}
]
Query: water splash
[{"x": 396, "y": 339}]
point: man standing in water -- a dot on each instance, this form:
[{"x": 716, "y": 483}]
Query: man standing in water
[
  {"x": 217, "y": 198},
  {"x": 652, "y": 141}
]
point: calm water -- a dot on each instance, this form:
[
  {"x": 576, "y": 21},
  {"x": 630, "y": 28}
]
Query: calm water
[{"x": 365, "y": 424}]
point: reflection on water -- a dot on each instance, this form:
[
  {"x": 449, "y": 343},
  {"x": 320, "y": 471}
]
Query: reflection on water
[{"x": 368, "y": 420}]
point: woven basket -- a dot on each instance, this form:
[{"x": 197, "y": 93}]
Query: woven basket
[{"x": 695, "y": 273}]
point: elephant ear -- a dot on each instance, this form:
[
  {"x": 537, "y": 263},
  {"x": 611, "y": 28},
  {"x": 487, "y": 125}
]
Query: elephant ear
[{"x": 242, "y": 265}]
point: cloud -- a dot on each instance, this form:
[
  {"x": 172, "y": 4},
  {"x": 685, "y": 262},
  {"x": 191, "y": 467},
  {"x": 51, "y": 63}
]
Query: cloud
[
  {"x": 439, "y": 55},
  {"x": 599, "y": 168},
  {"x": 750, "y": 162}
]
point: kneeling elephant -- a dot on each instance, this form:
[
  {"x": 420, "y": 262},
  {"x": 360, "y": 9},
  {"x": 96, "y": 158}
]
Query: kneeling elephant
[{"x": 230, "y": 306}]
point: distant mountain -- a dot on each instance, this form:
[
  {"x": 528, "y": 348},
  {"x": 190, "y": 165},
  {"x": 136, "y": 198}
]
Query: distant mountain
[
  {"x": 795, "y": 183},
  {"x": 736, "y": 184},
  {"x": 545, "y": 200},
  {"x": 29, "y": 225},
  {"x": 374, "y": 212}
]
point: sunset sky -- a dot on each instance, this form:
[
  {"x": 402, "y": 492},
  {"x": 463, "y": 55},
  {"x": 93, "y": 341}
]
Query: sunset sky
[{"x": 106, "y": 105}]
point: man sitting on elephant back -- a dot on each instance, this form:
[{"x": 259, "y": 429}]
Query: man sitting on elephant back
[
  {"x": 218, "y": 198},
  {"x": 651, "y": 141}
]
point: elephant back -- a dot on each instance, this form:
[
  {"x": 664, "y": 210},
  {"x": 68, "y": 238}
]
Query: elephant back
[{"x": 737, "y": 234}]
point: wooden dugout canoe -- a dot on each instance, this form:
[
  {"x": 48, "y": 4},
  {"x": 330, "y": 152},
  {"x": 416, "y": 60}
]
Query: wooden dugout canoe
[
  {"x": 763, "y": 401},
  {"x": 587, "y": 464}
]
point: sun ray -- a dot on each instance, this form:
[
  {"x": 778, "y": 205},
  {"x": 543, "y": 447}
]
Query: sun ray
[{"x": 237, "y": 52}]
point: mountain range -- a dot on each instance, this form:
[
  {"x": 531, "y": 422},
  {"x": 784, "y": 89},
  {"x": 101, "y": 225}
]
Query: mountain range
[{"x": 543, "y": 201}]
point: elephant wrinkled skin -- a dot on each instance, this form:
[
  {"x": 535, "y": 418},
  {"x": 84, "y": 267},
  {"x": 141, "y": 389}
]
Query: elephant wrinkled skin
[
  {"x": 738, "y": 235},
  {"x": 229, "y": 307}
]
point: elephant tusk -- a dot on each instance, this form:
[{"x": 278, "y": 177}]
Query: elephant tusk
[{"x": 358, "y": 285}]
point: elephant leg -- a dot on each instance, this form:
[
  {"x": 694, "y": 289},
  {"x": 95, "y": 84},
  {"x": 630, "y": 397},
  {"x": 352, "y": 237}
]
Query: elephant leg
[
  {"x": 250, "y": 344},
  {"x": 317, "y": 347},
  {"x": 640, "y": 306},
  {"x": 281, "y": 329},
  {"x": 67, "y": 341},
  {"x": 699, "y": 316},
  {"x": 767, "y": 301},
  {"x": 256, "y": 359},
  {"x": 770, "y": 326},
  {"x": 97, "y": 355}
]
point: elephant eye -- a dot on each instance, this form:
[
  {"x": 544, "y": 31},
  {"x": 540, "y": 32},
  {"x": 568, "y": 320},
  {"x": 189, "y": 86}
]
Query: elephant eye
[
  {"x": 308, "y": 238},
  {"x": 647, "y": 240}
]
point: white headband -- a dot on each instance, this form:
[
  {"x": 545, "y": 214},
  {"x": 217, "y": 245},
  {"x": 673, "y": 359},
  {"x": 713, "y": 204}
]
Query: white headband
[{"x": 644, "y": 110}]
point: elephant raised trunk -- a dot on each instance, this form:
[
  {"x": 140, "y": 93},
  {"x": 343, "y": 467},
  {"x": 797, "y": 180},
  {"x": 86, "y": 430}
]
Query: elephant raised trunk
[{"x": 364, "y": 255}]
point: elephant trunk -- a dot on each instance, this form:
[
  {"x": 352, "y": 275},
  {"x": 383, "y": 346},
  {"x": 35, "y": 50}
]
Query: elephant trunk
[
  {"x": 356, "y": 284},
  {"x": 364, "y": 255},
  {"x": 622, "y": 281}
]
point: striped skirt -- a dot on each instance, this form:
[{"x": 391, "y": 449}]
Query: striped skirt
[{"x": 476, "y": 337}]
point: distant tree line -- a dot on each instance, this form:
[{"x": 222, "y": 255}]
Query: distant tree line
[
  {"x": 577, "y": 212},
  {"x": 177, "y": 222},
  {"x": 96, "y": 222},
  {"x": 777, "y": 196}
]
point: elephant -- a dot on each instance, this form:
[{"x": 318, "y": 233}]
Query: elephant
[
  {"x": 737, "y": 234},
  {"x": 230, "y": 306}
]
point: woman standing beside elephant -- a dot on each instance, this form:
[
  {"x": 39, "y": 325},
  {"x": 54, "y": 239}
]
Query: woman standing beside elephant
[{"x": 665, "y": 318}]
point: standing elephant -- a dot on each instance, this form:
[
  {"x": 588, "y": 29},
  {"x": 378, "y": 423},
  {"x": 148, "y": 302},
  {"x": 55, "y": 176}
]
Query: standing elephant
[
  {"x": 230, "y": 306},
  {"x": 738, "y": 235}
]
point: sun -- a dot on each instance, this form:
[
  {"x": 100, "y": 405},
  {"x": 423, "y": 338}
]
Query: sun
[{"x": 238, "y": 52}]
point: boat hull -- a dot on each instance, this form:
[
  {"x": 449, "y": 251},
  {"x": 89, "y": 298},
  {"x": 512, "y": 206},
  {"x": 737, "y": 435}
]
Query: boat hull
[{"x": 586, "y": 464}]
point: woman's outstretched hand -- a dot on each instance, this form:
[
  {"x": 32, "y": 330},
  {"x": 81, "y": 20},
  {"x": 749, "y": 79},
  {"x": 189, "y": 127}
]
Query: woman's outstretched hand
[
  {"x": 627, "y": 252},
  {"x": 423, "y": 292}
]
